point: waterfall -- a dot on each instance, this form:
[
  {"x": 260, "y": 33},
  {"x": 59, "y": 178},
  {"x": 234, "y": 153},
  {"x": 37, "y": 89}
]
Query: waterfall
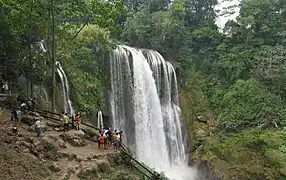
[
  {"x": 41, "y": 46},
  {"x": 144, "y": 104},
  {"x": 65, "y": 89},
  {"x": 164, "y": 75},
  {"x": 99, "y": 120}
]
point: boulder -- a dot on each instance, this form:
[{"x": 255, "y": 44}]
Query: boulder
[
  {"x": 28, "y": 119},
  {"x": 103, "y": 166},
  {"x": 90, "y": 134},
  {"x": 79, "y": 133},
  {"x": 75, "y": 138},
  {"x": 61, "y": 144},
  {"x": 201, "y": 133},
  {"x": 89, "y": 172},
  {"x": 54, "y": 125}
]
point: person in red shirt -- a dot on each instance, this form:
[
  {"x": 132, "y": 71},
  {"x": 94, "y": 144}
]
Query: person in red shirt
[
  {"x": 77, "y": 121},
  {"x": 101, "y": 141}
]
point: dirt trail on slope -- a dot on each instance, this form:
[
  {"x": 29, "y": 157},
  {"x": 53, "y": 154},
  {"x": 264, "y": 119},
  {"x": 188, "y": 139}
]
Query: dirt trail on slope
[{"x": 71, "y": 154}]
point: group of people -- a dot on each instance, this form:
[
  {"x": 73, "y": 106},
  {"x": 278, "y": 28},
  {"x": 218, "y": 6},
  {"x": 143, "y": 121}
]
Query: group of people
[
  {"x": 29, "y": 104},
  {"x": 74, "y": 121},
  {"x": 108, "y": 137}
]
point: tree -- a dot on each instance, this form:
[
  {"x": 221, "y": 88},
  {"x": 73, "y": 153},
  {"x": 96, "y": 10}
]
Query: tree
[
  {"x": 200, "y": 12},
  {"x": 248, "y": 104}
]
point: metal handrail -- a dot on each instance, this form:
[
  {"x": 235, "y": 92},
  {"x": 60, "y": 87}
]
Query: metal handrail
[
  {"x": 133, "y": 159},
  {"x": 123, "y": 148}
]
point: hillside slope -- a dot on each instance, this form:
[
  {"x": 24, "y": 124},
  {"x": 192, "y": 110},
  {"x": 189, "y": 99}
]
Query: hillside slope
[{"x": 55, "y": 155}]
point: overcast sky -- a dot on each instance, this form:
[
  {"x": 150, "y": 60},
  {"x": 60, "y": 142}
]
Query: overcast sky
[{"x": 221, "y": 20}]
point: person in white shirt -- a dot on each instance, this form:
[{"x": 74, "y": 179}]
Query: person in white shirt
[
  {"x": 38, "y": 127},
  {"x": 5, "y": 87}
]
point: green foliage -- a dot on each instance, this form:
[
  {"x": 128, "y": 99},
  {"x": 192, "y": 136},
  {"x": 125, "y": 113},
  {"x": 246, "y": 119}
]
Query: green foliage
[
  {"x": 82, "y": 33},
  {"x": 6, "y": 156},
  {"x": 248, "y": 104},
  {"x": 49, "y": 147},
  {"x": 248, "y": 155}
]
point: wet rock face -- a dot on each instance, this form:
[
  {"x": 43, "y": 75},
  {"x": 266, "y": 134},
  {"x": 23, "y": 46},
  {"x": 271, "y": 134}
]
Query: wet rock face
[
  {"x": 75, "y": 138},
  {"x": 205, "y": 171}
]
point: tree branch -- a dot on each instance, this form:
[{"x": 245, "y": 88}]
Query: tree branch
[{"x": 76, "y": 34}]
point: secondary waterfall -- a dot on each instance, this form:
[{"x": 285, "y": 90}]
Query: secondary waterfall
[
  {"x": 144, "y": 104},
  {"x": 65, "y": 90},
  {"x": 99, "y": 120}
]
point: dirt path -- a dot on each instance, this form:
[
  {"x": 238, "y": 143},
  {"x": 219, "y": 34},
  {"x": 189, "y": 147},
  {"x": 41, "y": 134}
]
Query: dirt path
[{"x": 89, "y": 150}]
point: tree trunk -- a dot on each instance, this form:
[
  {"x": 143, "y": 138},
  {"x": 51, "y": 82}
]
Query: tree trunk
[
  {"x": 53, "y": 58},
  {"x": 28, "y": 73}
]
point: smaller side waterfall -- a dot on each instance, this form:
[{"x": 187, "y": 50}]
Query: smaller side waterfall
[
  {"x": 99, "y": 120},
  {"x": 42, "y": 97},
  {"x": 41, "y": 46},
  {"x": 65, "y": 89}
]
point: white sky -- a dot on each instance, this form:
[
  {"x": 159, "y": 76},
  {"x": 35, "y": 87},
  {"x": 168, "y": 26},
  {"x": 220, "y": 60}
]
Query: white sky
[{"x": 221, "y": 20}]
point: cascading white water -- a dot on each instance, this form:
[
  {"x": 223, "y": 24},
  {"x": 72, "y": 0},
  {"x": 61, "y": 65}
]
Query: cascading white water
[
  {"x": 144, "y": 104},
  {"x": 99, "y": 120},
  {"x": 41, "y": 46},
  {"x": 164, "y": 75},
  {"x": 65, "y": 89}
]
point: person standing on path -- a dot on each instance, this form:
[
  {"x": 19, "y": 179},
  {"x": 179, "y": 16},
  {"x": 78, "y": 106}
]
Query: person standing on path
[
  {"x": 15, "y": 116},
  {"x": 66, "y": 122},
  {"x": 101, "y": 142},
  {"x": 38, "y": 127},
  {"x": 77, "y": 121},
  {"x": 120, "y": 139}
]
